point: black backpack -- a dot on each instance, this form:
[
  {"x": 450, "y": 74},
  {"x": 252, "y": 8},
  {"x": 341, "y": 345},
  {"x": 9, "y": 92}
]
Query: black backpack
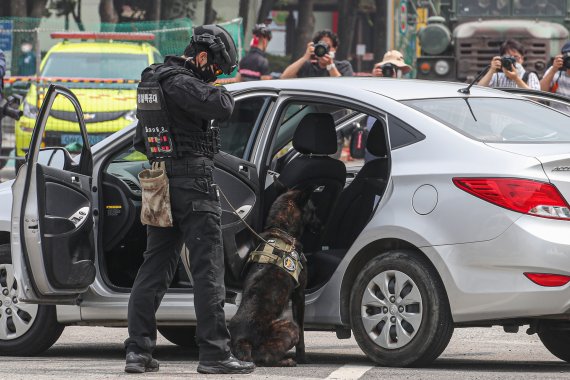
[{"x": 527, "y": 74}]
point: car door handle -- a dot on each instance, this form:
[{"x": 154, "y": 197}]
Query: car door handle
[
  {"x": 79, "y": 217},
  {"x": 75, "y": 180},
  {"x": 244, "y": 170}
]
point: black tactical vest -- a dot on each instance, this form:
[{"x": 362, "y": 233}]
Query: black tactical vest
[{"x": 163, "y": 139}]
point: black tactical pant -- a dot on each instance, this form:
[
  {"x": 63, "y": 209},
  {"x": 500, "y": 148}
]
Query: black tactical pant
[{"x": 196, "y": 213}]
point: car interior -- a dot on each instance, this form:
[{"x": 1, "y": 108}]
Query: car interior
[{"x": 305, "y": 152}]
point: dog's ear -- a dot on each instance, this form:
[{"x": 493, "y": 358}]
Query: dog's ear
[{"x": 304, "y": 196}]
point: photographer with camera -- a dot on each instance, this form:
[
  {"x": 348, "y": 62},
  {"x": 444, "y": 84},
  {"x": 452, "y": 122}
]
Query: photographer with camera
[
  {"x": 318, "y": 60},
  {"x": 508, "y": 71},
  {"x": 557, "y": 78},
  {"x": 392, "y": 66},
  {"x": 255, "y": 66}
]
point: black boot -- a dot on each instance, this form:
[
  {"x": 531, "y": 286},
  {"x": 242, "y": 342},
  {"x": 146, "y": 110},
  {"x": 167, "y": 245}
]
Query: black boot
[
  {"x": 140, "y": 363},
  {"x": 230, "y": 365}
]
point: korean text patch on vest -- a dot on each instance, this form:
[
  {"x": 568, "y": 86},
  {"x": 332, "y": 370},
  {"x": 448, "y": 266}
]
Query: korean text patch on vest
[
  {"x": 149, "y": 99},
  {"x": 154, "y": 121}
]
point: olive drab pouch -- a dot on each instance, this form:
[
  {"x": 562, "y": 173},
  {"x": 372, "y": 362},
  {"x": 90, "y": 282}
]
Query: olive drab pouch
[{"x": 156, "y": 210}]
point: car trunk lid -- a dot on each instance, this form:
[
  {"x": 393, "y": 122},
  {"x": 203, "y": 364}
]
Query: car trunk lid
[{"x": 555, "y": 160}]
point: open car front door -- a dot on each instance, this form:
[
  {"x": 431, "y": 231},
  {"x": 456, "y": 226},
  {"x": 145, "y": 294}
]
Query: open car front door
[{"x": 52, "y": 233}]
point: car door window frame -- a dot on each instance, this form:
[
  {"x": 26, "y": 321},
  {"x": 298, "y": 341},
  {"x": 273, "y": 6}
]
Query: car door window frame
[
  {"x": 262, "y": 157},
  {"x": 266, "y": 110}
]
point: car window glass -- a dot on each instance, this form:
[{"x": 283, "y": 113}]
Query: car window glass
[
  {"x": 498, "y": 120},
  {"x": 62, "y": 127},
  {"x": 294, "y": 113},
  {"x": 236, "y": 134},
  {"x": 126, "y": 164},
  {"x": 95, "y": 65},
  {"x": 157, "y": 57},
  {"x": 401, "y": 134},
  {"x": 346, "y": 120},
  {"x": 558, "y": 104}
]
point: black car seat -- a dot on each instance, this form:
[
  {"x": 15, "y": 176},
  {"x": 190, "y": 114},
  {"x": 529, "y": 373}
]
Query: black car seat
[
  {"x": 356, "y": 203},
  {"x": 314, "y": 139}
]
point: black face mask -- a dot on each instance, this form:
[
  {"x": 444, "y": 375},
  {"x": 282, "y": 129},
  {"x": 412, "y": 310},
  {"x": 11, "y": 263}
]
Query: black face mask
[{"x": 205, "y": 73}]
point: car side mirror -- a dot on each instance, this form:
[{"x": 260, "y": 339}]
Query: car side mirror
[
  {"x": 20, "y": 88},
  {"x": 57, "y": 158}
]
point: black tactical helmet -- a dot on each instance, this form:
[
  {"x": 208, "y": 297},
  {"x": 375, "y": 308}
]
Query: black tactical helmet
[
  {"x": 261, "y": 30},
  {"x": 219, "y": 43}
]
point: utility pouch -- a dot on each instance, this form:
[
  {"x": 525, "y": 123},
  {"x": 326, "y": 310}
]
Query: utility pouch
[{"x": 156, "y": 210}]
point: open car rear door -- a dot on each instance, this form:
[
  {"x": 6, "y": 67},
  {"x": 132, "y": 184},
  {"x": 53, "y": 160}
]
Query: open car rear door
[{"x": 52, "y": 237}]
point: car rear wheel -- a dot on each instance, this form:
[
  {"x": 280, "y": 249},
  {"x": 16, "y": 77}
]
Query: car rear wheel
[
  {"x": 184, "y": 336},
  {"x": 399, "y": 311},
  {"x": 556, "y": 339},
  {"x": 25, "y": 329}
]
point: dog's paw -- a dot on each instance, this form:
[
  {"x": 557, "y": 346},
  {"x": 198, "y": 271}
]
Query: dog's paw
[{"x": 288, "y": 363}]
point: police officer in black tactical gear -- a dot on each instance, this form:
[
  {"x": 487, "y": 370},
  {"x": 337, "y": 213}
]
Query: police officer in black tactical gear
[
  {"x": 176, "y": 102},
  {"x": 255, "y": 66}
]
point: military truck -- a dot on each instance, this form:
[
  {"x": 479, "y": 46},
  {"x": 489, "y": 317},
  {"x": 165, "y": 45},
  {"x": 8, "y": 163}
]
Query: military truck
[{"x": 461, "y": 39}]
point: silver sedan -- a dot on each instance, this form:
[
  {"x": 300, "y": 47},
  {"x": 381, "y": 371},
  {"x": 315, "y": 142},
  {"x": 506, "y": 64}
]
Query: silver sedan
[{"x": 457, "y": 217}]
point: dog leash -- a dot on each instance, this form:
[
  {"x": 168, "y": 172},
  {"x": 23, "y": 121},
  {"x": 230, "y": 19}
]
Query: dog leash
[{"x": 292, "y": 249}]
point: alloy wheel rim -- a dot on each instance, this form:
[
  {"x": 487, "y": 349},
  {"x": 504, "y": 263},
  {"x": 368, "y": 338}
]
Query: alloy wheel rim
[
  {"x": 391, "y": 309},
  {"x": 16, "y": 318}
]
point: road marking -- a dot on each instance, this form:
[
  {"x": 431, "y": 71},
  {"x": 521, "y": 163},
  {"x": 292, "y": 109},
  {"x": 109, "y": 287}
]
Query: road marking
[{"x": 349, "y": 372}]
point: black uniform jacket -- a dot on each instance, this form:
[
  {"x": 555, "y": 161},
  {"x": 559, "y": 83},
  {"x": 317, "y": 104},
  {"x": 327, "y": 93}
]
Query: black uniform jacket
[{"x": 191, "y": 101}]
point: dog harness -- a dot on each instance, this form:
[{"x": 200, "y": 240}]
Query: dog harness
[{"x": 286, "y": 258}]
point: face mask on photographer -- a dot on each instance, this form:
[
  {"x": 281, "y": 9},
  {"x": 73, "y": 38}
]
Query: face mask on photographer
[{"x": 26, "y": 48}]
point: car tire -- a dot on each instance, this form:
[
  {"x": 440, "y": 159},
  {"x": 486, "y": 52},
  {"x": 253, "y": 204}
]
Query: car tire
[
  {"x": 38, "y": 329},
  {"x": 556, "y": 340},
  {"x": 409, "y": 330},
  {"x": 183, "y": 336}
]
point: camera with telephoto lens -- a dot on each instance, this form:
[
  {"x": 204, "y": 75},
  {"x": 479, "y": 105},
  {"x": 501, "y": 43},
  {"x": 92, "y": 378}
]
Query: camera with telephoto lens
[
  {"x": 508, "y": 62},
  {"x": 321, "y": 49},
  {"x": 566, "y": 60},
  {"x": 388, "y": 70}
]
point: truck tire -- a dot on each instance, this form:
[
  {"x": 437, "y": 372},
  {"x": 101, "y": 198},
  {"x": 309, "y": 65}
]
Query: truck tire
[{"x": 25, "y": 329}]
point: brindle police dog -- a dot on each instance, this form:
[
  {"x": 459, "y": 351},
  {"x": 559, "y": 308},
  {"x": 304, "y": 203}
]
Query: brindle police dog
[{"x": 262, "y": 331}]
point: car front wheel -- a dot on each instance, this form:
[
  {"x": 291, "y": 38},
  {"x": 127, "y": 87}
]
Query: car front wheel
[
  {"x": 184, "y": 336},
  {"x": 399, "y": 311},
  {"x": 25, "y": 329}
]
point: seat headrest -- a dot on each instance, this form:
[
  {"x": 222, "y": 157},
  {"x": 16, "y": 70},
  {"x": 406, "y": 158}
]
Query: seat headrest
[
  {"x": 315, "y": 134},
  {"x": 376, "y": 143}
]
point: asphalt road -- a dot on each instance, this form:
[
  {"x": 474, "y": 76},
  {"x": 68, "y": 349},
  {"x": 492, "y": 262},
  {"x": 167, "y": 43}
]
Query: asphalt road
[{"x": 97, "y": 353}]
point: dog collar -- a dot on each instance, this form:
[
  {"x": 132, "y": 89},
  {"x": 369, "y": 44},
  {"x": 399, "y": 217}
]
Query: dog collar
[{"x": 286, "y": 258}]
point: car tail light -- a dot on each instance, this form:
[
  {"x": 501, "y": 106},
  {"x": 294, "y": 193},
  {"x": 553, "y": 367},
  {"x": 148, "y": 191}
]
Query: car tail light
[
  {"x": 520, "y": 195},
  {"x": 548, "y": 279}
]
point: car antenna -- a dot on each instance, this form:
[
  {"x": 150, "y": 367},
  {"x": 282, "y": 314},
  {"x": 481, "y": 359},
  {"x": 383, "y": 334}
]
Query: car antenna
[{"x": 466, "y": 89}]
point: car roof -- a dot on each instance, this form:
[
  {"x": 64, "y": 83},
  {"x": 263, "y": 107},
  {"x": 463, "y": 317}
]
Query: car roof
[
  {"x": 101, "y": 47},
  {"x": 397, "y": 89}
]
